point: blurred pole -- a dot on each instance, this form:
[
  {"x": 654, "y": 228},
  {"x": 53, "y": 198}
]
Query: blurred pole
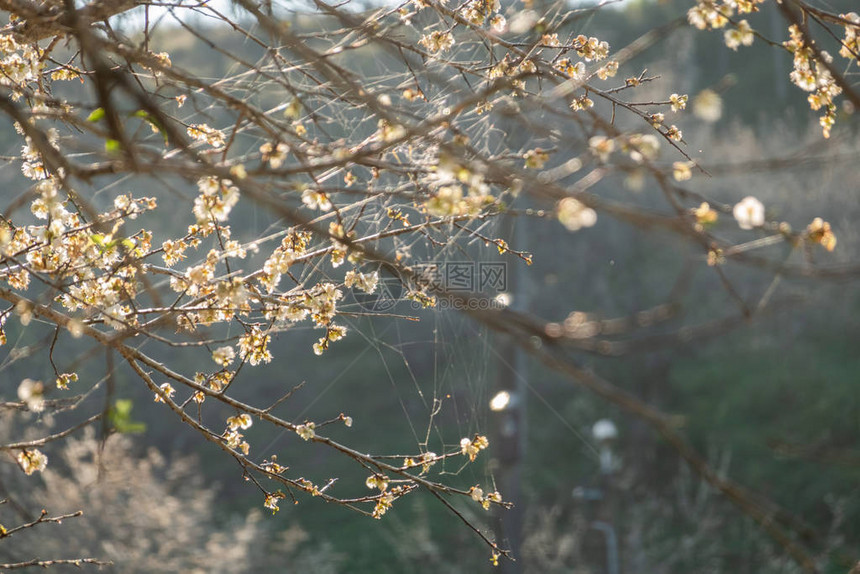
[
  {"x": 508, "y": 413},
  {"x": 605, "y": 551},
  {"x": 611, "y": 545},
  {"x": 509, "y": 423}
]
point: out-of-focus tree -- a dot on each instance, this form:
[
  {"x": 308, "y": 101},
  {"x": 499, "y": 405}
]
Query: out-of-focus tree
[{"x": 143, "y": 513}]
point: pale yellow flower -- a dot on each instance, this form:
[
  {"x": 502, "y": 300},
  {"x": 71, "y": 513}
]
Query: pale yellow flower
[
  {"x": 749, "y": 213},
  {"x": 32, "y": 460}
]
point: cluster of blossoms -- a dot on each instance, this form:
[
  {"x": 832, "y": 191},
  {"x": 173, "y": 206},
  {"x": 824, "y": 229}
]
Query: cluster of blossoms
[
  {"x": 217, "y": 198},
  {"x": 272, "y": 466},
  {"x": 340, "y": 250},
  {"x": 215, "y": 382},
  {"x": 575, "y": 215},
  {"x": 272, "y": 499},
  {"x": 274, "y": 154},
  {"x": 602, "y": 147},
  {"x": 173, "y": 251},
  {"x": 242, "y": 421},
  {"x": 507, "y": 67},
  {"x": 674, "y": 133},
  {"x": 365, "y": 281},
  {"x": 658, "y": 120},
  {"x": 306, "y": 431},
  {"x": 477, "y": 494},
  {"x": 387, "y": 496},
  {"x": 810, "y": 72},
  {"x": 33, "y": 167},
  {"x": 426, "y": 460},
  {"x": 377, "y": 481},
  {"x": 641, "y": 147},
  {"x": 575, "y": 70},
  {"x": 320, "y": 304},
  {"x": 682, "y": 170},
  {"x": 437, "y": 41},
  {"x": 449, "y": 197},
  {"x": 232, "y": 437},
  {"x": 66, "y": 248},
  {"x": 472, "y": 446},
  {"x": 224, "y": 355},
  {"x": 811, "y": 75},
  {"x": 333, "y": 333},
  {"x": 389, "y": 131},
  {"x": 715, "y": 14},
  {"x": 381, "y": 482},
  {"x": 819, "y": 232},
  {"x": 749, "y": 214},
  {"x": 197, "y": 280},
  {"x": 32, "y": 460},
  {"x": 741, "y": 34},
  {"x": 705, "y": 215},
  {"x": 254, "y": 346},
  {"x": 386, "y": 499},
  {"x": 205, "y": 134},
  {"x": 468, "y": 447},
  {"x": 316, "y": 199},
  {"x": 20, "y": 64},
  {"x": 851, "y": 42},
  {"x": 479, "y": 11},
  {"x": 590, "y": 48},
  {"x": 582, "y": 102},
  {"x": 166, "y": 391},
  {"x": 64, "y": 379},
  {"x": 450, "y": 200},
  {"x": 535, "y": 158},
  {"x": 678, "y": 102},
  {"x": 608, "y": 71},
  {"x": 32, "y": 394},
  {"x": 293, "y": 246}
]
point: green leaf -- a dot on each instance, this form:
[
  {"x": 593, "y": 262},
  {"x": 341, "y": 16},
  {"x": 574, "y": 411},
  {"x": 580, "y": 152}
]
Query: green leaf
[
  {"x": 104, "y": 244},
  {"x": 112, "y": 146},
  {"x": 97, "y": 115},
  {"x": 122, "y": 407},
  {"x": 156, "y": 125},
  {"x": 120, "y": 418}
]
